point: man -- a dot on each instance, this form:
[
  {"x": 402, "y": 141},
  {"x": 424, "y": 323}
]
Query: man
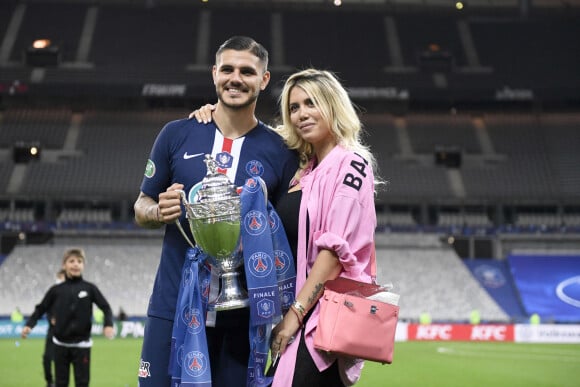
[{"x": 244, "y": 147}]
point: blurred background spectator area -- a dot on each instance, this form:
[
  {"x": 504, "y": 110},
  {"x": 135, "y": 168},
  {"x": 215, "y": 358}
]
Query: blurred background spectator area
[{"x": 473, "y": 114}]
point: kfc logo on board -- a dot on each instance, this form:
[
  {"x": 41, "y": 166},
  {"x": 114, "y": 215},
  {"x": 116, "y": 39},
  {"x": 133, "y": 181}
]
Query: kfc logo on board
[
  {"x": 488, "y": 333},
  {"x": 434, "y": 332}
]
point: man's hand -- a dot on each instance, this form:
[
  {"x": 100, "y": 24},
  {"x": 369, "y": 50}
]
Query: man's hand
[{"x": 170, "y": 204}]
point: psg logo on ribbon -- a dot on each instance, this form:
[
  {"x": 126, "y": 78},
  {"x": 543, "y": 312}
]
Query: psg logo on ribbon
[
  {"x": 195, "y": 364},
  {"x": 252, "y": 185},
  {"x": 255, "y": 222},
  {"x": 191, "y": 317},
  {"x": 205, "y": 288},
  {"x": 187, "y": 277},
  {"x": 274, "y": 221},
  {"x": 260, "y": 264},
  {"x": 254, "y": 168},
  {"x": 281, "y": 261},
  {"x": 260, "y": 334}
]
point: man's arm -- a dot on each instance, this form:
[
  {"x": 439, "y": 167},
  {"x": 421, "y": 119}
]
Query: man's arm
[
  {"x": 152, "y": 214},
  {"x": 147, "y": 213}
]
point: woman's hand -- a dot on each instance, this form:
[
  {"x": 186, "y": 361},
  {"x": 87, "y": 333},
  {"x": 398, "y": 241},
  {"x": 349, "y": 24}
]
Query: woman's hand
[
  {"x": 326, "y": 266},
  {"x": 284, "y": 333},
  {"x": 203, "y": 114}
]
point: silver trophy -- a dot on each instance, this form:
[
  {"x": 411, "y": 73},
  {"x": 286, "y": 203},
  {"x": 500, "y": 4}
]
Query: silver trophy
[{"x": 214, "y": 220}]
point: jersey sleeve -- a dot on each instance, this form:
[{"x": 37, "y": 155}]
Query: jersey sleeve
[{"x": 156, "y": 178}]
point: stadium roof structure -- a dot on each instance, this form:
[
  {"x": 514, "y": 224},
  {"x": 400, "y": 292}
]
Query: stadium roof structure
[{"x": 362, "y": 3}]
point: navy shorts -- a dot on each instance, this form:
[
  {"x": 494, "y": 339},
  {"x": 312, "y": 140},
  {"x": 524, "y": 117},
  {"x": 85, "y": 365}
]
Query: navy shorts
[
  {"x": 229, "y": 348},
  {"x": 228, "y": 344},
  {"x": 155, "y": 353}
]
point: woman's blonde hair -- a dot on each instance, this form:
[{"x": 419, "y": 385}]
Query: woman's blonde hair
[{"x": 335, "y": 106}]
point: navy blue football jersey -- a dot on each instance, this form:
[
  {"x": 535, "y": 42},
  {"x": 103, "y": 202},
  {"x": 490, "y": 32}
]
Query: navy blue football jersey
[{"x": 178, "y": 156}]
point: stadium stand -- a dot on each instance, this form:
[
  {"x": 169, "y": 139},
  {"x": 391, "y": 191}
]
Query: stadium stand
[
  {"x": 431, "y": 278},
  {"x": 46, "y": 126},
  {"x": 123, "y": 268},
  {"x": 475, "y": 134}
]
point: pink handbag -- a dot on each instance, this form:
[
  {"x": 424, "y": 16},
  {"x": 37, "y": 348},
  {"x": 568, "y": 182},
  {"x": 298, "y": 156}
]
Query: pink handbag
[{"x": 354, "y": 326}]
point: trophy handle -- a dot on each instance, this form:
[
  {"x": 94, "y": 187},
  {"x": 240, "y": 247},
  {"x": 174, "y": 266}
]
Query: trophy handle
[
  {"x": 178, "y": 223},
  {"x": 264, "y": 189}
]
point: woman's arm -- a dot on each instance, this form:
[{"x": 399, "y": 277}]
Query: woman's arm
[{"x": 326, "y": 267}]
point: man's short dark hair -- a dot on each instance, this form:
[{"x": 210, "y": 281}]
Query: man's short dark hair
[{"x": 245, "y": 43}]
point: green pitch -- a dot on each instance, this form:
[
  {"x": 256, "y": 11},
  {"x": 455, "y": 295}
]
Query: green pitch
[{"x": 432, "y": 364}]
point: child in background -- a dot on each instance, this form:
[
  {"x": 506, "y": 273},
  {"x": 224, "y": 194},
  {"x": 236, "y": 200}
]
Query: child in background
[
  {"x": 71, "y": 306},
  {"x": 48, "y": 355}
]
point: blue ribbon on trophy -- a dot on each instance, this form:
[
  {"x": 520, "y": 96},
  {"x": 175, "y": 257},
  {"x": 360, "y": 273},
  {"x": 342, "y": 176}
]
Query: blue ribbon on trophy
[
  {"x": 284, "y": 262},
  {"x": 266, "y": 256},
  {"x": 268, "y": 264},
  {"x": 189, "y": 364}
]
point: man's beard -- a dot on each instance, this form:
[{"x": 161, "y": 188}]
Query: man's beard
[{"x": 252, "y": 99}]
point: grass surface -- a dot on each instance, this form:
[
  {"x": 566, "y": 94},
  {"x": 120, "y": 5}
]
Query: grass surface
[
  {"x": 114, "y": 363},
  {"x": 459, "y": 364},
  {"x": 445, "y": 364}
]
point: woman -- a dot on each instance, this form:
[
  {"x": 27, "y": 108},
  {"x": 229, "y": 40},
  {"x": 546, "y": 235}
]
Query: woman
[
  {"x": 333, "y": 195},
  {"x": 336, "y": 219}
]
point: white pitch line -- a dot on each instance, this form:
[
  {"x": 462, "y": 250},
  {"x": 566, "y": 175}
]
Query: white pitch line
[
  {"x": 513, "y": 355},
  {"x": 523, "y": 348}
]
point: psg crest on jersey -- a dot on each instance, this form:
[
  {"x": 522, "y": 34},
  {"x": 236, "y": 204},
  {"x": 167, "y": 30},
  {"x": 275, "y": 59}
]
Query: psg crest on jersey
[{"x": 254, "y": 168}]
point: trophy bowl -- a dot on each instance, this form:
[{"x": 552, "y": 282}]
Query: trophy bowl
[{"x": 214, "y": 221}]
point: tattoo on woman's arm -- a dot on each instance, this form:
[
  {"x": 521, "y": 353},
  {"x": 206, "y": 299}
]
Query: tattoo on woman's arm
[{"x": 316, "y": 293}]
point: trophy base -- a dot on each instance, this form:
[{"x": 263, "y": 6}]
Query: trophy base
[{"x": 232, "y": 295}]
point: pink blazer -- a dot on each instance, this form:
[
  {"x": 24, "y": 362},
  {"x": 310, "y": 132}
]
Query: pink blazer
[{"x": 338, "y": 197}]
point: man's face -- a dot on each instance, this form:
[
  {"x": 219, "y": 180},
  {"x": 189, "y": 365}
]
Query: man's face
[{"x": 239, "y": 77}]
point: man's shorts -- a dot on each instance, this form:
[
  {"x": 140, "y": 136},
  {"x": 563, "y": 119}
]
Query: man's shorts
[{"x": 155, "y": 353}]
